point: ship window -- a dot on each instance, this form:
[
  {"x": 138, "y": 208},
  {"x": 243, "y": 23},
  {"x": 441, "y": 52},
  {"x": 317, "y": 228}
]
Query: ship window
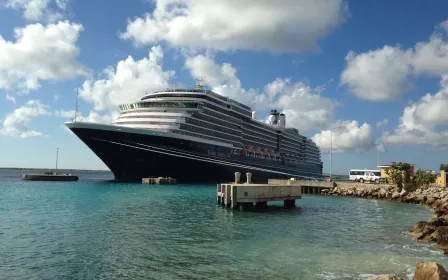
[{"x": 163, "y": 104}]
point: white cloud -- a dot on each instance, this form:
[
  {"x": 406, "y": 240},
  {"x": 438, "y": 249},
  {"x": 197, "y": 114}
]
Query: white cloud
[
  {"x": 16, "y": 122},
  {"x": 431, "y": 57},
  {"x": 104, "y": 119},
  {"x": 277, "y": 26},
  {"x": 423, "y": 121},
  {"x": 40, "y": 53},
  {"x": 36, "y": 10},
  {"x": 382, "y": 123},
  {"x": 93, "y": 116},
  {"x": 351, "y": 137},
  {"x": 304, "y": 106},
  {"x": 128, "y": 82},
  {"x": 386, "y": 73},
  {"x": 381, "y": 148},
  {"x": 444, "y": 26},
  {"x": 10, "y": 98},
  {"x": 377, "y": 75},
  {"x": 222, "y": 78},
  {"x": 68, "y": 114}
]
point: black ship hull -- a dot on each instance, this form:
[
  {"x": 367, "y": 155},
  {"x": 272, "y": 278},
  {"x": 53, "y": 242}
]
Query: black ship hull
[{"x": 132, "y": 155}]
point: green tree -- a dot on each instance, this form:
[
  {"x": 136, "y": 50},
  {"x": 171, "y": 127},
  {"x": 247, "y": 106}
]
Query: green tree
[
  {"x": 444, "y": 167},
  {"x": 395, "y": 171},
  {"x": 425, "y": 178}
]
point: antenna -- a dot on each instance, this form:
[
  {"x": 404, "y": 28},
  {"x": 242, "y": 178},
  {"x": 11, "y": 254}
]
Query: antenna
[
  {"x": 76, "y": 105},
  {"x": 200, "y": 81}
]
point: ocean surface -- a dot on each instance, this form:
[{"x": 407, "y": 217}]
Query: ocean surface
[{"x": 99, "y": 229}]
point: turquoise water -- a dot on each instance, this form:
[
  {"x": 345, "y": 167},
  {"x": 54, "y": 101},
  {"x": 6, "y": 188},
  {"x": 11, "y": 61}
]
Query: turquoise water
[{"x": 97, "y": 229}]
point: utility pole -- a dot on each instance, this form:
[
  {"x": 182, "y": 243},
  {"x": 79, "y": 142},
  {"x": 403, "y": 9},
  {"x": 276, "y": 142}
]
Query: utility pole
[
  {"x": 377, "y": 157},
  {"x": 331, "y": 149},
  {"x": 57, "y": 156}
]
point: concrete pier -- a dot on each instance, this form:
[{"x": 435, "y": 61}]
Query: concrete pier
[
  {"x": 243, "y": 196},
  {"x": 159, "y": 181},
  {"x": 308, "y": 186},
  {"x": 49, "y": 177}
]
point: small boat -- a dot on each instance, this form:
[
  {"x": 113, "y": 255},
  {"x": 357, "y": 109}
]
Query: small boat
[{"x": 50, "y": 176}]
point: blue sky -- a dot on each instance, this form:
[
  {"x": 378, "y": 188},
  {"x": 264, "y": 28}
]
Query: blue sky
[{"x": 289, "y": 55}]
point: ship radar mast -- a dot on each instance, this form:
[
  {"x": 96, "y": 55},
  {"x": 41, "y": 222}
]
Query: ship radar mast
[
  {"x": 200, "y": 83},
  {"x": 76, "y": 106}
]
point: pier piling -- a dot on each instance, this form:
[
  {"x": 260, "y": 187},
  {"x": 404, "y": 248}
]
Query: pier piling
[
  {"x": 249, "y": 177},
  {"x": 237, "y": 177}
]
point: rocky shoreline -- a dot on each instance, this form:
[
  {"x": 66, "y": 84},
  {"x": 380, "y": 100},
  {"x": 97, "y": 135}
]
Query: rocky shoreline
[{"x": 434, "y": 230}]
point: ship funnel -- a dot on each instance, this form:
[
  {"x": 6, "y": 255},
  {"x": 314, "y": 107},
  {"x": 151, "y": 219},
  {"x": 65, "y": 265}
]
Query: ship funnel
[{"x": 282, "y": 121}]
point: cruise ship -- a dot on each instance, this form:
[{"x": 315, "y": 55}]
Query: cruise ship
[{"x": 197, "y": 135}]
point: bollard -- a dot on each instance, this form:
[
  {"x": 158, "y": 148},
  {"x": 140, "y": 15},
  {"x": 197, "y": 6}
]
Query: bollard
[
  {"x": 237, "y": 177},
  {"x": 249, "y": 177}
]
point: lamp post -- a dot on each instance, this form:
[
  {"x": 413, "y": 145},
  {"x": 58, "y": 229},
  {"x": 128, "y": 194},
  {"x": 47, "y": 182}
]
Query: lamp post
[{"x": 331, "y": 148}]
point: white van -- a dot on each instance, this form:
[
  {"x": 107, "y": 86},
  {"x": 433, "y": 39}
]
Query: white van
[{"x": 363, "y": 175}]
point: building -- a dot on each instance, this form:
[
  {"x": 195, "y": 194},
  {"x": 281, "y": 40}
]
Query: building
[
  {"x": 441, "y": 179},
  {"x": 410, "y": 174}
]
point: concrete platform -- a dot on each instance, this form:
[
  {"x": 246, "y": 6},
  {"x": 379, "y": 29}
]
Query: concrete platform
[
  {"x": 49, "y": 177},
  {"x": 243, "y": 196},
  {"x": 159, "y": 181}
]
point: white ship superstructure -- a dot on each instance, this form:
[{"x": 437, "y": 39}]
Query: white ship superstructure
[{"x": 215, "y": 125}]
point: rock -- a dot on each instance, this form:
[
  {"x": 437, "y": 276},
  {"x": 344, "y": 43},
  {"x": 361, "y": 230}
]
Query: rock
[
  {"x": 382, "y": 193},
  {"x": 437, "y": 221},
  {"x": 418, "y": 228},
  {"x": 403, "y": 193},
  {"x": 386, "y": 277},
  {"x": 441, "y": 236},
  {"x": 408, "y": 199},
  {"x": 430, "y": 271},
  {"x": 426, "y": 234},
  {"x": 395, "y": 195},
  {"x": 420, "y": 198},
  {"x": 430, "y": 200}
]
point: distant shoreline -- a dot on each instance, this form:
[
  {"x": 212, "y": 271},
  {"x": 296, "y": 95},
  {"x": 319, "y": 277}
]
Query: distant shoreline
[{"x": 59, "y": 169}]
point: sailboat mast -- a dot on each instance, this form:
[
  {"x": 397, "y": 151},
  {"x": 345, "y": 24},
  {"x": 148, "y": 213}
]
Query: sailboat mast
[
  {"x": 76, "y": 105},
  {"x": 57, "y": 156}
]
